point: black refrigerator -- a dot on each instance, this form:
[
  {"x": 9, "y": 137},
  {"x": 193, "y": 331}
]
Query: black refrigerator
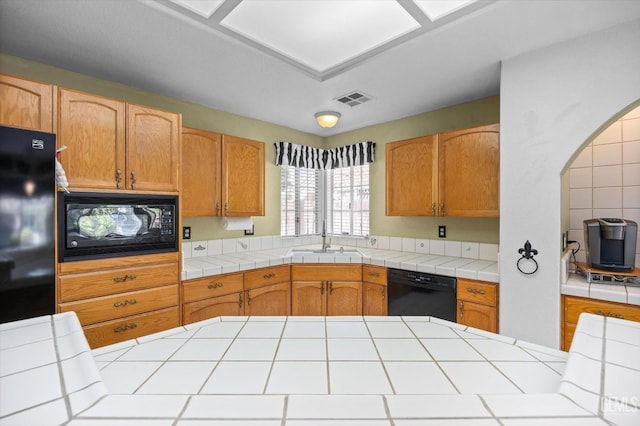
[{"x": 27, "y": 210}]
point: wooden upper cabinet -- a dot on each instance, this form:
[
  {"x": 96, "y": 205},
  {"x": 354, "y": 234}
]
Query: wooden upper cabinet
[
  {"x": 26, "y": 103},
  {"x": 469, "y": 171},
  {"x": 201, "y": 173},
  {"x": 152, "y": 149},
  {"x": 448, "y": 174},
  {"x": 242, "y": 177},
  {"x": 411, "y": 176},
  {"x": 93, "y": 130}
]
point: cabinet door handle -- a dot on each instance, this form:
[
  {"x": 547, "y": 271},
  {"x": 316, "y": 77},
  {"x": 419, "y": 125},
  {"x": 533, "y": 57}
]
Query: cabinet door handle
[
  {"x": 383, "y": 293},
  {"x": 248, "y": 297},
  {"x": 330, "y": 288},
  {"x": 215, "y": 285},
  {"x": 609, "y": 314},
  {"x": 226, "y": 208},
  {"x": 433, "y": 209},
  {"x": 118, "y": 178},
  {"x": 133, "y": 179},
  {"x": 125, "y": 328},
  {"x": 321, "y": 288},
  {"x": 240, "y": 302},
  {"x": 125, "y": 303},
  {"x": 461, "y": 309},
  {"x": 441, "y": 209},
  {"x": 217, "y": 208}
]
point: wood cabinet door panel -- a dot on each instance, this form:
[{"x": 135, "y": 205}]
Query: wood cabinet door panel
[
  {"x": 273, "y": 300},
  {"x": 477, "y": 291},
  {"x": 469, "y": 170},
  {"x": 266, "y": 276},
  {"x": 93, "y": 130},
  {"x": 242, "y": 177},
  {"x": 478, "y": 316},
  {"x": 568, "y": 331},
  {"x": 308, "y": 298},
  {"x": 229, "y": 304},
  {"x": 374, "y": 274},
  {"x": 201, "y": 178},
  {"x": 152, "y": 149},
  {"x": 110, "y": 332},
  {"x": 94, "y": 284},
  {"x": 411, "y": 176},
  {"x": 374, "y": 299},
  {"x": 344, "y": 298},
  {"x": 215, "y": 285},
  {"x": 91, "y": 311},
  {"x": 26, "y": 104}
]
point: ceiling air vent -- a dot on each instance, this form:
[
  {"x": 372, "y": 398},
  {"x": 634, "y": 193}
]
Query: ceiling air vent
[{"x": 354, "y": 98}]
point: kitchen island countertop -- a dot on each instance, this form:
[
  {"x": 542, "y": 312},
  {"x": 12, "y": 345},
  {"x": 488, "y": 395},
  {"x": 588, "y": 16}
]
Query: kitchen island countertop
[{"x": 350, "y": 371}]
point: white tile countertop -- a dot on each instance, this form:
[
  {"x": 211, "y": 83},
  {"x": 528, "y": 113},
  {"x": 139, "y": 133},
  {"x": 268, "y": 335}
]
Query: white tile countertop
[
  {"x": 577, "y": 285},
  {"x": 480, "y": 267},
  {"x": 311, "y": 371}
]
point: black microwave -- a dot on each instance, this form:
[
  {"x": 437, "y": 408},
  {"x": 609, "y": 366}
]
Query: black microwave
[{"x": 101, "y": 225}]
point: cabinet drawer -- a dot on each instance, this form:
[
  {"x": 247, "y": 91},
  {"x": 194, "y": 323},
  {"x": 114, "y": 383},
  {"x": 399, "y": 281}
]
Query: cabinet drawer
[
  {"x": 94, "y": 284},
  {"x": 477, "y": 291},
  {"x": 326, "y": 273},
  {"x": 215, "y": 285},
  {"x": 574, "y": 306},
  {"x": 132, "y": 327},
  {"x": 374, "y": 274},
  {"x": 105, "y": 308},
  {"x": 265, "y": 276}
]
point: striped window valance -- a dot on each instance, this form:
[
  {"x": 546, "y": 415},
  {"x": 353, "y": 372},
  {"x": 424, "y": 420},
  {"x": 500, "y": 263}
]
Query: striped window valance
[{"x": 290, "y": 154}]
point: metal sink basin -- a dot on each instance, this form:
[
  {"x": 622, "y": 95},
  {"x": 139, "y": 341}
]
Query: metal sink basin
[{"x": 340, "y": 252}]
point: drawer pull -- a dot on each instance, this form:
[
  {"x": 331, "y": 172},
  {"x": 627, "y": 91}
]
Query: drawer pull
[
  {"x": 461, "y": 309},
  {"x": 126, "y": 327},
  {"x": 125, "y": 303},
  {"x": 383, "y": 293},
  {"x": 125, "y": 278},
  {"x": 215, "y": 285},
  {"x": 373, "y": 274},
  {"x": 475, "y": 290},
  {"x": 249, "y": 297},
  {"x": 609, "y": 314},
  {"x": 269, "y": 275}
]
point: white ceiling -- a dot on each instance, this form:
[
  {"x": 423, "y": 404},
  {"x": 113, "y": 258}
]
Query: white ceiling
[{"x": 281, "y": 61}]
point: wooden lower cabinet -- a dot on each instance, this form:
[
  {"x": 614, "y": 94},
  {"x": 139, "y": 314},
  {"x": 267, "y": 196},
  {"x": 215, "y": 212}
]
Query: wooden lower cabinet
[
  {"x": 326, "y": 290},
  {"x": 113, "y": 304},
  {"x": 227, "y": 305},
  {"x": 477, "y": 304},
  {"x": 274, "y": 299},
  {"x": 264, "y": 291},
  {"x": 374, "y": 290},
  {"x": 573, "y": 306}
]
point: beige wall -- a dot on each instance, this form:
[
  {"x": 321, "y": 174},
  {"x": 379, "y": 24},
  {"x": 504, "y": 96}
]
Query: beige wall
[{"x": 480, "y": 112}]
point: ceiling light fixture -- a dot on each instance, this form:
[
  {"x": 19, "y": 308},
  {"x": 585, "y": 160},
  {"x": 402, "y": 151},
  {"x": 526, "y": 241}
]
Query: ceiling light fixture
[{"x": 327, "y": 118}]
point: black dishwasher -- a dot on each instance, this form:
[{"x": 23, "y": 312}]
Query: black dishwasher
[{"x": 417, "y": 293}]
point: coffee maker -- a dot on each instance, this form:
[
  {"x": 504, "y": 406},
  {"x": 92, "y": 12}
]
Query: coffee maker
[{"x": 611, "y": 244}]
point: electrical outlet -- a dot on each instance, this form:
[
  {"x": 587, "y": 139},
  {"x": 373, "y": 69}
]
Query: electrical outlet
[
  {"x": 442, "y": 231},
  {"x": 186, "y": 232}
]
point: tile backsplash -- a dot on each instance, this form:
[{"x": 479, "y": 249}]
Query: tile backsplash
[
  {"x": 470, "y": 250},
  {"x": 604, "y": 180}
]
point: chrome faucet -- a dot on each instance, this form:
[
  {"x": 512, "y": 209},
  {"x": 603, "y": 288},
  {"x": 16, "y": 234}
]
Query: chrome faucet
[{"x": 325, "y": 245}]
